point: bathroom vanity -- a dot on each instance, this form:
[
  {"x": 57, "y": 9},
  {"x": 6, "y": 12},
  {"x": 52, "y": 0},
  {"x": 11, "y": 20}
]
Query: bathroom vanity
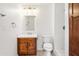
[{"x": 26, "y": 45}]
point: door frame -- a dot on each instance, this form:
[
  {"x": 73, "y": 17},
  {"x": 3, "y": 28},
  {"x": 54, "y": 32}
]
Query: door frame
[{"x": 66, "y": 29}]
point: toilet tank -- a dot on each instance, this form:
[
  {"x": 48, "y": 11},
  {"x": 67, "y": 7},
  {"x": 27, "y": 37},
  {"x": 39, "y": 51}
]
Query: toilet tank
[{"x": 48, "y": 39}]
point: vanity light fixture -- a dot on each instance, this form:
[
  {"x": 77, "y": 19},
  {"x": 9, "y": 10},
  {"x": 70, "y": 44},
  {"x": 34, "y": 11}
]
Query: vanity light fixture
[{"x": 30, "y": 11}]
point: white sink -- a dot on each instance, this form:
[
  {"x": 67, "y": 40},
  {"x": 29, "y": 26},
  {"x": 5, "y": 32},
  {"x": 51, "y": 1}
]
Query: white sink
[{"x": 27, "y": 34}]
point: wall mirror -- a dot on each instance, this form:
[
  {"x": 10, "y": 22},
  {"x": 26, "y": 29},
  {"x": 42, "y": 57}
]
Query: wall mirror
[{"x": 29, "y": 23}]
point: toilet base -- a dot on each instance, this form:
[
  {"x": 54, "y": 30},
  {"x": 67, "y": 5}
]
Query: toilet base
[{"x": 47, "y": 53}]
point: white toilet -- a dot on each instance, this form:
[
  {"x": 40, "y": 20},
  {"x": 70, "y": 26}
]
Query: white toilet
[{"x": 48, "y": 46}]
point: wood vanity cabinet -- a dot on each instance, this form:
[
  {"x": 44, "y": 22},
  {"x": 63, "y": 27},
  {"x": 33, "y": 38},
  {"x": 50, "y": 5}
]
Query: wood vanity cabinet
[{"x": 26, "y": 46}]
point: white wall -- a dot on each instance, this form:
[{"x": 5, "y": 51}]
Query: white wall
[
  {"x": 44, "y": 23},
  {"x": 8, "y": 41},
  {"x": 59, "y": 36}
]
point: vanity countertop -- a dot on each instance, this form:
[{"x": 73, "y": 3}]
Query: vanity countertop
[{"x": 28, "y": 34}]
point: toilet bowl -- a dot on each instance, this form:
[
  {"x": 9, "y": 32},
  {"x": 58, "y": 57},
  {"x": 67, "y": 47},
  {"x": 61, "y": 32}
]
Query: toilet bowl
[{"x": 48, "y": 47}]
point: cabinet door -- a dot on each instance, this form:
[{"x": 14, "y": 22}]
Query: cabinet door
[
  {"x": 31, "y": 46},
  {"x": 22, "y": 46}
]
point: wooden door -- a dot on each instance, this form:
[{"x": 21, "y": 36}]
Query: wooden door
[
  {"x": 74, "y": 29},
  {"x": 31, "y": 46}
]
